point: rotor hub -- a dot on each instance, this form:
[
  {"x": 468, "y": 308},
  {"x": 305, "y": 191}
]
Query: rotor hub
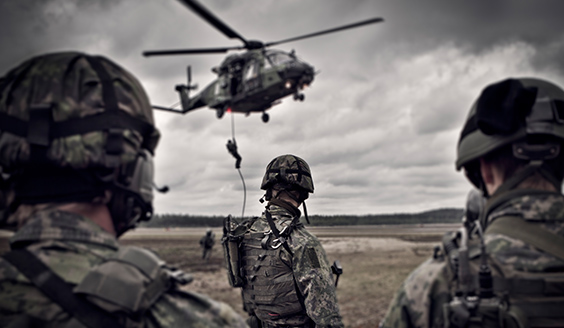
[{"x": 254, "y": 44}]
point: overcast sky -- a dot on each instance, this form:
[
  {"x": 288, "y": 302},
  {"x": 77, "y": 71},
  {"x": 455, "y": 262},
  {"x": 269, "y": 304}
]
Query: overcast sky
[{"x": 380, "y": 122}]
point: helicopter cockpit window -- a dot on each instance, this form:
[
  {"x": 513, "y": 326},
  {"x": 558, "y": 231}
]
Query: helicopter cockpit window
[
  {"x": 267, "y": 65},
  {"x": 279, "y": 58},
  {"x": 252, "y": 70}
]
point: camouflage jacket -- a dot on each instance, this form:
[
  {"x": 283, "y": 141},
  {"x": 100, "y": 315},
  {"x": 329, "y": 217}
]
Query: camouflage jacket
[
  {"x": 311, "y": 270},
  {"x": 419, "y": 301},
  {"x": 72, "y": 246}
]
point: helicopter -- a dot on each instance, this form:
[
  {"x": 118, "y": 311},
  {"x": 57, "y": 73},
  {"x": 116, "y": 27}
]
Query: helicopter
[{"x": 252, "y": 81}]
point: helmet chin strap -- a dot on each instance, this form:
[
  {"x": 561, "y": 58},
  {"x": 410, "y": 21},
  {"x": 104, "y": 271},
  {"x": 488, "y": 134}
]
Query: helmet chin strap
[
  {"x": 305, "y": 212},
  {"x": 291, "y": 195}
]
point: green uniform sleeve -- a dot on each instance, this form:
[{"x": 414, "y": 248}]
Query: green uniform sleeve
[
  {"x": 315, "y": 282},
  {"x": 419, "y": 301}
]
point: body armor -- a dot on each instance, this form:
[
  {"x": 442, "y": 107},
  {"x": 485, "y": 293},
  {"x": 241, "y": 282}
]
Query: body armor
[{"x": 269, "y": 289}]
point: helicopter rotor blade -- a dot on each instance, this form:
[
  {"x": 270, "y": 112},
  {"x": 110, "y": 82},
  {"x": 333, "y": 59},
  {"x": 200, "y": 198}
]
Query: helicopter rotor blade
[
  {"x": 212, "y": 19},
  {"x": 190, "y": 51},
  {"x": 336, "y": 29}
]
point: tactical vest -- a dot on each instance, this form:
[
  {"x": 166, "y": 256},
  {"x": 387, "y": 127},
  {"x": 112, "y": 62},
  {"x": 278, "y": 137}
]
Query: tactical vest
[
  {"x": 521, "y": 300},
  {"x": 128, "y": 283},
  {"x": 269, "y": 288}
]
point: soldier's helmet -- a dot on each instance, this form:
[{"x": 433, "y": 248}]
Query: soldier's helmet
[
  {"x": 288, "y": 170},
  {"x": 73, "y": 126},
  {"x": 475, "y": 204},
  {"x": 526, "y": 114}
]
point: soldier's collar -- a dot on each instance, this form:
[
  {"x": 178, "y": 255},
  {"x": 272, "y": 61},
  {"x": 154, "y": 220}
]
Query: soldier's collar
[
  {"x": 502, "y": 204},
  {"x": 285, "y": 205},
  {"x": 61, "y": 225}
]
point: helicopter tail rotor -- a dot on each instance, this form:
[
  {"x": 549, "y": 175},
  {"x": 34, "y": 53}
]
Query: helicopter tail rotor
[
  {"x": 184, "y": 92},
  {"x": 190, "y": 86},
  {"x": 189, "y": 74}
]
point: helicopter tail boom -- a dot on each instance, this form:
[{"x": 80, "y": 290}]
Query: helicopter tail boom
[
  {"x": 184, "y": 91},
  {"x": 169, "y": 109}
]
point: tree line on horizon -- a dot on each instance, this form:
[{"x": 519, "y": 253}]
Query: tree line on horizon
[{"x": 444, "y": 215}]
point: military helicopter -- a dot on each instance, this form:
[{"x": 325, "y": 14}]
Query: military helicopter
[{"x": 252, "y": 81}]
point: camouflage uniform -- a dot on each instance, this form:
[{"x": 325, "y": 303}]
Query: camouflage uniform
[
  {"x": 511, "y": 274},
  {"x": 71, "y": 246},
  {"x": 207, "y": 242},
  {"x": 312, "y": 276},
  {"x": 78, "y": 130},
  {"x": 420, "y": 300}
]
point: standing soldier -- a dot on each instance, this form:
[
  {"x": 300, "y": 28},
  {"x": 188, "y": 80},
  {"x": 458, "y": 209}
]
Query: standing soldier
[
  {"x": 76, "y": 145},
  {"x": 207, "y": 242},
  {"x": 286, "y": 280},
  {"x": 508, "y": 271}
]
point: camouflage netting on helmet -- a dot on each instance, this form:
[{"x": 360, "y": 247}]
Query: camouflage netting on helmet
[
  {"x": 75, "y": 90},
  {"x": 288, "y": 169}
]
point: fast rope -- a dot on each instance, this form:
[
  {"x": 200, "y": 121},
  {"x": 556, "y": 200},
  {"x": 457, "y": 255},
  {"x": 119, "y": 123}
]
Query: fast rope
[{"x": 232, "y": 148}]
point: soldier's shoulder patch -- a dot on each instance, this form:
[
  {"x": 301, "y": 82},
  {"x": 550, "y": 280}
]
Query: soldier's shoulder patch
[{"x": 311, "y": 255}]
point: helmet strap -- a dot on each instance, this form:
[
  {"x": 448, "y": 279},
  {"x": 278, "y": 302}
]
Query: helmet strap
[
  {"x": 298, "y": 200},
  {"x": 267, "y": 196},
  {"x": 127, "y": 209},
  {"x": 291, "y": 195},
  {"x": 305, "y": 212},
  {"x": 547, "y": 174}
]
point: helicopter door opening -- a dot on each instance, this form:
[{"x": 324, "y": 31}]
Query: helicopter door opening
[{"x": 252, "y": 76}]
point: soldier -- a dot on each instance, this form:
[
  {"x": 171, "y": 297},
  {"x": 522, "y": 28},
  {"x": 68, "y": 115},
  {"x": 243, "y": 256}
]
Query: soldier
[
  {"x": 207, "y": 242},
  {"x": 76, "y": 145},
  {"x": 509, "y": 270},
  {"x": 286, "y": 279},
  {"x": 475, "y": 203}
]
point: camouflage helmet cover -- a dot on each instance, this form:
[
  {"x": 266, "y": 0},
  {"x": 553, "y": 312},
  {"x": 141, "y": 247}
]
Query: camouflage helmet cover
[
  {"x": 70, "y": 86},
  {"x": 288, "y": 169},
  {"x": 510, "y": 111},
  {"x": 81, "y": 116}
]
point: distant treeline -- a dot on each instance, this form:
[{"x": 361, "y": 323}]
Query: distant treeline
[{"x": 445, "y": 215}]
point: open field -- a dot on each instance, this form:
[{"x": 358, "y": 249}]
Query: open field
[{"x": 375, "y": 260}]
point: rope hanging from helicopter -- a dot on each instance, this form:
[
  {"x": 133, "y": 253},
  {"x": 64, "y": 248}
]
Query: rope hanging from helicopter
[{"x": 232, "y": 148}]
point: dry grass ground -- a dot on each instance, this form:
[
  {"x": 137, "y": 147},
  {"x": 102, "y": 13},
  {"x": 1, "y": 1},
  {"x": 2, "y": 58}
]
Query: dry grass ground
[{"x": 375, "y": 260}]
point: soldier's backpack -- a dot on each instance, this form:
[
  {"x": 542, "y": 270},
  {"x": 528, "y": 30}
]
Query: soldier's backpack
[
  {"x": 518, "y": 301},
  {"x": 231, "y": 241}
]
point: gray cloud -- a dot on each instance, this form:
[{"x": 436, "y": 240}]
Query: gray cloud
[{"x": 380, "y": 122}]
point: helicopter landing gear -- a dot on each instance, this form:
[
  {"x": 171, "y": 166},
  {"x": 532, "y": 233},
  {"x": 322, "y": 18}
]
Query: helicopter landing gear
[
  {"x": 219, "y": 112},
  {"x": 265, "y": 117},
  {"x": 299, "y": 96}
]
